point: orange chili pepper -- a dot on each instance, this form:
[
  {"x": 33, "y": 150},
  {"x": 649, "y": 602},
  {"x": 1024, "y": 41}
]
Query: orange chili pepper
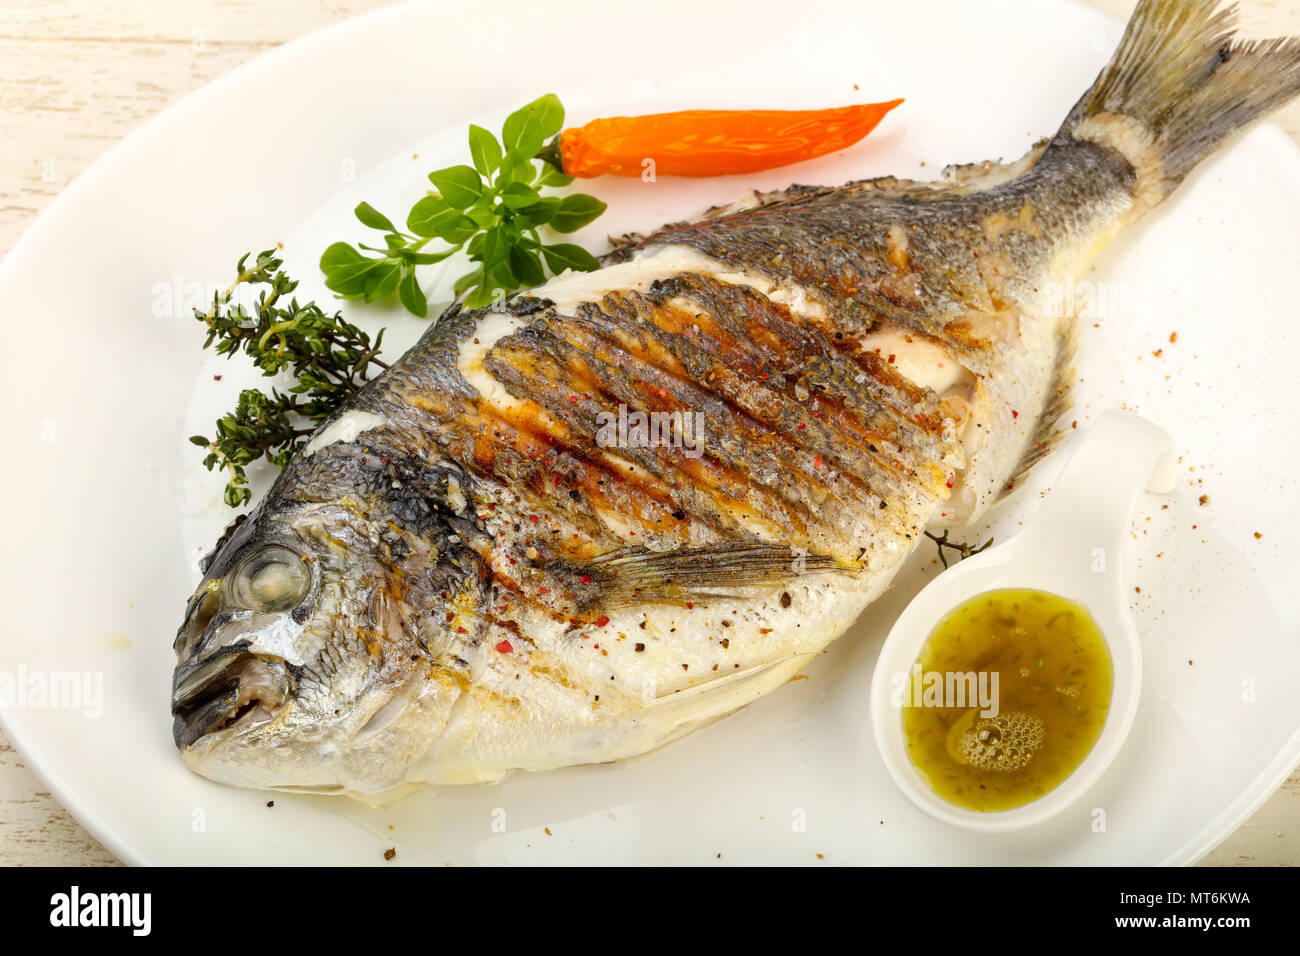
[{"x": 711, "y": 142}]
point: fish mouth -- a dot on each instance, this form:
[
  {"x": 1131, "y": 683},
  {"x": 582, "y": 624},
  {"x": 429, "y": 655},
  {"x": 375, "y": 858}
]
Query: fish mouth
[{"x": 231, "y": 690}]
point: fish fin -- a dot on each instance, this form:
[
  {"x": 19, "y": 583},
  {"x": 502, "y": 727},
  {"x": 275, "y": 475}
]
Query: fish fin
[
  {"x": 636, "y": 575},
  {"x": 624, "y": 241},
  {"x": 1179, "y": 84},
  {"x": 1049, "y": 431},
  {"x": 964, "y": 178},
  {"x": 687, "y": 710}
]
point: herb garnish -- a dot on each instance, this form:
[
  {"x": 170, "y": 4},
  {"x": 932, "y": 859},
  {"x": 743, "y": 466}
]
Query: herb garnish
[
  {"x": 328, "y": 357},
  {"x": 493, "y": 210}
]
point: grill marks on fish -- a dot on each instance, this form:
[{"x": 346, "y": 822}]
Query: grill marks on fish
[
  {"x": 805, "y": 433},
  {"x": 794, "y": 425},
  {"x": 815, "y": 449}
]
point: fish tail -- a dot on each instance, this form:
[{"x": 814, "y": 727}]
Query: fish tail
[{"x": 1180, "y": 84}]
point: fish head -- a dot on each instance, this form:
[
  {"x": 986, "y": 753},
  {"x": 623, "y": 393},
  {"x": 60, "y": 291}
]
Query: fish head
[{"x": 319, "y": 651}]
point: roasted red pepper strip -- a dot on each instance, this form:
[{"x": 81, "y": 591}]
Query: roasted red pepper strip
[{"x": 712, "y": 142}]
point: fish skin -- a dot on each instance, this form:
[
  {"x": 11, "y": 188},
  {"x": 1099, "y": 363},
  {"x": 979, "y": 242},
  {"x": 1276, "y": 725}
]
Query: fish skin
[{"x": 490, "y": 588}]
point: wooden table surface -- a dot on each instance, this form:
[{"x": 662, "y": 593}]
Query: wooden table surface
[{"x": 78, "y": 75}]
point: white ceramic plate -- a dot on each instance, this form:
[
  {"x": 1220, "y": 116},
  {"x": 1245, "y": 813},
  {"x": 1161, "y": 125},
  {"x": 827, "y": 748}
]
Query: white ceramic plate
[{"x": 106, "y": 508}]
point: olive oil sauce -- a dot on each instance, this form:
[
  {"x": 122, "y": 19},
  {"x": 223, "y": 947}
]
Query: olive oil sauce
[{"x": 1053, "y": 681}]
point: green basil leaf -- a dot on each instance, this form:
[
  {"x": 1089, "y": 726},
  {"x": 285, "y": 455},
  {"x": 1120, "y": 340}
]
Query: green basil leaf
[
  {"x": 545, "y": 115},
  {"x": 466, "y": 281},
  {"x": 483, "y": 214},
  {"x": 372, "y": 217},
  {"x": 429, "y": 258},
  {"x": 566, "y": 255},
  {"x": 412, "y": 296},
  {"x": 383, "y": 280},
  {"x": 480, "y": 297},
  {"x": 528, "y": 139},
  {"x": 456, "y": 229},
  {"x": 515, "y": 168},
  {"x": 528, "y": 127},
  {"x": 351, "y": 283},
  {"x": 434, "y": 216},
  {"x": 424, "y": 212},
  {"x": 519, "y": 196},
  {"x": 575, "y": 212},
  {"x": 553, "y": 177},
  {"x": 460, "y": 185},
  {"x": 540, "y": 212},
  {"x": 527, "y": 266},
  {"x": 484, "y": 149},
  {"x": 339, "y": 254},
  {"x": 346, "y": 269},
  {"x": 496, "y": 246},
  {"x": 505, "y": 275}
]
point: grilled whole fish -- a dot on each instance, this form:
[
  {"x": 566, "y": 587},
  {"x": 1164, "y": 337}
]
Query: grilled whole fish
[{"x": 586, "y": 521}]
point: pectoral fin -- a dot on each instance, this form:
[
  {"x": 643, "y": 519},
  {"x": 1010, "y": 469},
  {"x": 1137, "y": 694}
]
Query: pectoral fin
[{"x": 639, "y": 575}]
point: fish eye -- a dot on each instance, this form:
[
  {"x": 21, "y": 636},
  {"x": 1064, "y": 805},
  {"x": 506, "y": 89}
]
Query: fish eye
[{"x": 272, "y": 578}]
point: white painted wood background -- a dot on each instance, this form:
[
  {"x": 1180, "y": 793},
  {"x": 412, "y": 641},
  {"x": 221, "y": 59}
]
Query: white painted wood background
[{"x": 78, "y": 75}]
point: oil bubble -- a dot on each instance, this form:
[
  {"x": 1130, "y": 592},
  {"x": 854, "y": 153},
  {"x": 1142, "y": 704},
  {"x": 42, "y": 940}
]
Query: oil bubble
[{"x": 1003, "y": 743}]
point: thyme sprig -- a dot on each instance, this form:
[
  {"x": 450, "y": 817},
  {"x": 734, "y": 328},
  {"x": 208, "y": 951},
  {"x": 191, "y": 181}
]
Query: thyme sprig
[
  {"x": 328, "y": 358},
  {"x": 963, "y": 550}
]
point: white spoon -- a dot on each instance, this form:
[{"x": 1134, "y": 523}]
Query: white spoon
[{"x": 1073, "y": 546}]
